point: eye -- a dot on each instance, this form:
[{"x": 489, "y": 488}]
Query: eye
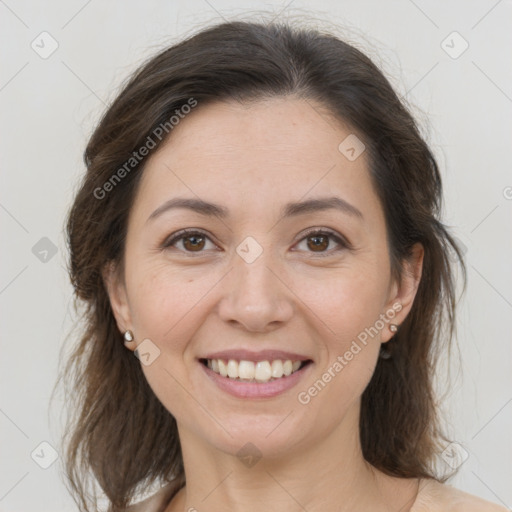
[
  {"x": 320, "y": 241},
  {"x": 191, "y": 240}
]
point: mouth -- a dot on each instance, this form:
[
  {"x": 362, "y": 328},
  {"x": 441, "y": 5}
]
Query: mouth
[
  {"x": 255, "y": 377},
  {"x": 254, "y": 371}
]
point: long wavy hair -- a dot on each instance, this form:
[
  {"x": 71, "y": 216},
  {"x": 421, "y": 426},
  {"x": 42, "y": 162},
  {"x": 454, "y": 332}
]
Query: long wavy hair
[{"x": 119, "y": 435}]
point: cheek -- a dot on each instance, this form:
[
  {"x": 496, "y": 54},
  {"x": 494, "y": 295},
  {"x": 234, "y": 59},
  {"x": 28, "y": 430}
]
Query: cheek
[
  {"x": 347, "y": 307},
  {"x": 168, "y": 307},
  {"x": 165, "y": 302},
  {"x": 347, "y": 301}
]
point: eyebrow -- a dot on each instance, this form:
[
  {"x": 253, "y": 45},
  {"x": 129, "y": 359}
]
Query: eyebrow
[{"x": 289, "y": 210}]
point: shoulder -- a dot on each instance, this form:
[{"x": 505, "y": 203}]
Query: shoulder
[
  {"x": 436, "y": 497},
  {"x": 157, "y": 502}
]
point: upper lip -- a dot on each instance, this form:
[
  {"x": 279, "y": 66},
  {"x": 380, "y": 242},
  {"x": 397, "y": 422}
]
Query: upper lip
[{"x": 262, "y": 355}]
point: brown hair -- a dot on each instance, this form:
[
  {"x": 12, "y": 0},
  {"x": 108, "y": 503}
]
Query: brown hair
[{"x": 122, "y": 434}]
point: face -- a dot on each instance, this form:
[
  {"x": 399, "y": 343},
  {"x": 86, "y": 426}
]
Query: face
[{"x": 291, "y": 264}]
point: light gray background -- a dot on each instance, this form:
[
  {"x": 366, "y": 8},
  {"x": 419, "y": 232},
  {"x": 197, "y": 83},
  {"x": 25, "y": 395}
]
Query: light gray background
[{"x": 49, "y": 107}]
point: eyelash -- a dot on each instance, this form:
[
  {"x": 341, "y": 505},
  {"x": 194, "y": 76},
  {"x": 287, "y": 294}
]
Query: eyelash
[{"x": 185, "y": 233}]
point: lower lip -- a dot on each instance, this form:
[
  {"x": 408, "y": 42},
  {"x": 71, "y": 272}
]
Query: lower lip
[{"x": 242, "y": 389}]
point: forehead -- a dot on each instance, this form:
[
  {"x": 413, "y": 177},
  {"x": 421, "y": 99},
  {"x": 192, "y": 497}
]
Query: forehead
[
  {"x": 267, "y": 152},
  {"x": 280, "y": 125}
]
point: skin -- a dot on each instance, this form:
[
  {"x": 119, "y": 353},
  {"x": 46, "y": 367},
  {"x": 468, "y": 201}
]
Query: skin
[{"x": 253, "y": 159}]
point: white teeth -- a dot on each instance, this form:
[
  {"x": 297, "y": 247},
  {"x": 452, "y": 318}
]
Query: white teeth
[
  {"x": 277, "y": 368},
  {"x": 223, "y": 370},
  {"x": 246, "y": 370},
  {"x": 263, "y": 371},
  {"x": 232, "y": 369},
  {"x": 260, "y": 371}
]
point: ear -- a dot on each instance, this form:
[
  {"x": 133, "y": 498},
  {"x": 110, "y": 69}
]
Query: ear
[
  {"x": 116, "y": 291},
  {"x": 404, "y": 292}
]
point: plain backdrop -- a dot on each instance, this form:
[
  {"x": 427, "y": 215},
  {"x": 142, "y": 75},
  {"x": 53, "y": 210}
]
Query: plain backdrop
[{"x": 63, "y": 61}]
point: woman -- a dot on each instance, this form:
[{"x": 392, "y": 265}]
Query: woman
[{"x": 259, "y": 226}]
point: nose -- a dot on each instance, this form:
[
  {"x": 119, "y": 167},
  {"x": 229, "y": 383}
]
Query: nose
[{"x": 254, "y": 297}]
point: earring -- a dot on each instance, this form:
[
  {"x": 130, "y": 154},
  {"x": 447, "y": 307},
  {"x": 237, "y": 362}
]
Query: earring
[
  {"x": 128, "y": 336},
  {"x": 383, "y": 353}
]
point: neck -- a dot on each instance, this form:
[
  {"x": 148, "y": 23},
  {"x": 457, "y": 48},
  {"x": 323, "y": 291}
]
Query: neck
[{"x": 327, "y": 475}]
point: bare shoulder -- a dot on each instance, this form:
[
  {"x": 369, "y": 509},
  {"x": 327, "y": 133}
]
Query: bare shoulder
[
  {"x": 436, "y": 497},
  {"x": 158, "y": 502}
]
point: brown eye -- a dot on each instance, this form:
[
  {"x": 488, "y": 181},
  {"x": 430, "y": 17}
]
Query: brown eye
[
  {"x": 323, "y": 243},
  {"x": 188, "y": 241},
  {"x": 193, "y": 242},
  {"x": 318, "y": 242}
]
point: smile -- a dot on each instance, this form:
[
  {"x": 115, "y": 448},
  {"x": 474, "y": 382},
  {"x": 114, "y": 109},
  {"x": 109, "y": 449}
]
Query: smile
[
  {"x": 255, "y": 379},
  {"x": 254, "y": 371}
]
